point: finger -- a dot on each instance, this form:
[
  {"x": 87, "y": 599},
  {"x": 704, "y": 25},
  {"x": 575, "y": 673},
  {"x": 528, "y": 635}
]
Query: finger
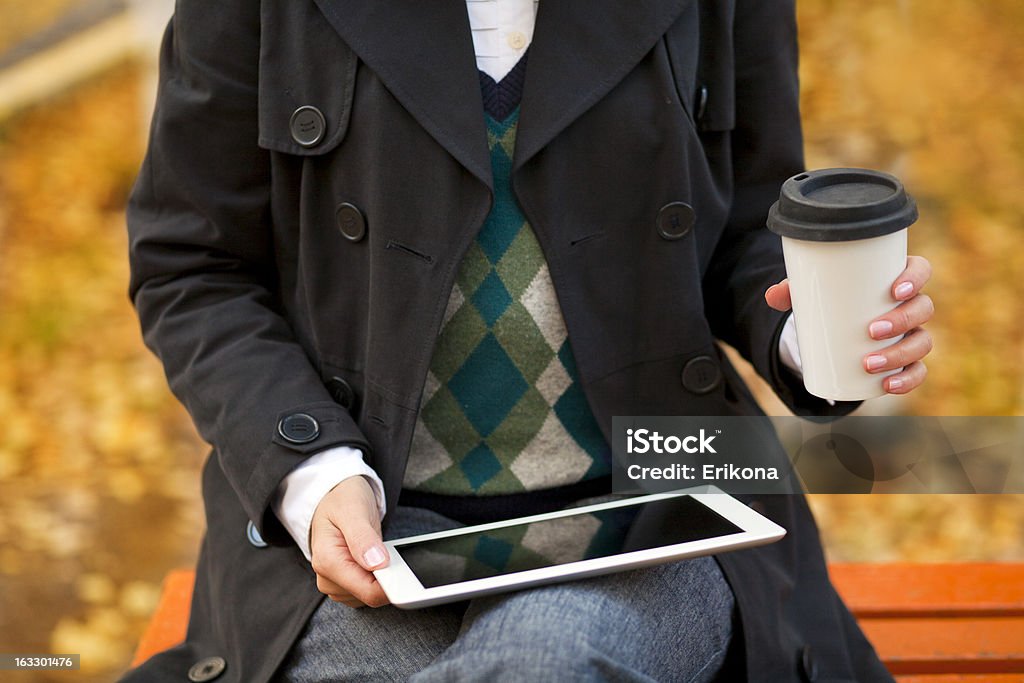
[
  {"x": 344, "y": 576},
  {"x": 329, "y": 587},
  {"x": 908, "y": 380},
  {"x": 368, "y": 593},
  {"x": 912, "y": 279},
  {"x": 377, "y": 598},
  {"x": 913, "y": 347},
  {"x": 903, "y": 318},
  {"x": 778, "y": 297},
  {"x": 361, "y": 529},
  {"x": 346, "y": 600}
]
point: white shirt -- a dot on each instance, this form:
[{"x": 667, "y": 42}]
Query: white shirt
[{"x": 502, "y": 30}]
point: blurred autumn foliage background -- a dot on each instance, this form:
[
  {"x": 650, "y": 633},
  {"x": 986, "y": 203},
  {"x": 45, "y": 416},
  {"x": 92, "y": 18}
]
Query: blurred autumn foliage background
[{"x": 99, "y": 464}]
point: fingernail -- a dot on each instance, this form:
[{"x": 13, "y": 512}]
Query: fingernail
[
  {"x": 879, "y": 328},
  {"x": 875, "y": 361},
  {"x": 373, "y": 556},
  {"x": 895, "y": 383},
  {"x": 904, "y": 289}
]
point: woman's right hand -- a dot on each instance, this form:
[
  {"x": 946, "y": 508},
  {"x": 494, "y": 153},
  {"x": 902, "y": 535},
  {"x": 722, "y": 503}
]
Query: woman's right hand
[{"x": 345, "y": 544}]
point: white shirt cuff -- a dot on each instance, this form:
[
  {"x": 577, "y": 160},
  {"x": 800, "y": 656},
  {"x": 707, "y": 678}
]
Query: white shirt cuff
[
  {"x": 789, "y": 350},
  {"x": 300, "y": 491}
]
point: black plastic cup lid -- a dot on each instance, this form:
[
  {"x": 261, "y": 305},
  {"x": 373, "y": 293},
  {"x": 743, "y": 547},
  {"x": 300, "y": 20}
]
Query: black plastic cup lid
[{"x": 840, "y": 205}]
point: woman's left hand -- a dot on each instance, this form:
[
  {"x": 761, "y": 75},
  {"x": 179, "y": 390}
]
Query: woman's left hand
[{"x": 913, "y": 311}]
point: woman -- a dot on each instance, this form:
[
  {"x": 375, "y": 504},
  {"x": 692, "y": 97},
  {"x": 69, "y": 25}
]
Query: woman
[{"x": 392, "y": 282}]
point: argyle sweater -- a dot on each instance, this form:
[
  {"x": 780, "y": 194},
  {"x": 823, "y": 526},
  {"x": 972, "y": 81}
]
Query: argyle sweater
[{"x": 504, "y": 427}]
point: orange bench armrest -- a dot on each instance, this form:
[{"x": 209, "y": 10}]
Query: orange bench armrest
[{"x": 168, "y": 625}]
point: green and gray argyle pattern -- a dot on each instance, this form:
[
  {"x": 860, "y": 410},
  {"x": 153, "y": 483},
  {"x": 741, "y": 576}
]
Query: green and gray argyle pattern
[{"x": 502, "y": 410}]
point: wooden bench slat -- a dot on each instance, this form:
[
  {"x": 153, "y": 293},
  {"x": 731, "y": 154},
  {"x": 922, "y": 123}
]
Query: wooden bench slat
[
  {"x": 904, "y": 589},
  {"x": 170, "y": 620},
  {"x": 961, "y": 678},
  {"x": 941, "y": 645}
]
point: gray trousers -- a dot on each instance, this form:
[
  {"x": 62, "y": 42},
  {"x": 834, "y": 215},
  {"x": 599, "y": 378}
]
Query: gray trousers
[{"x": 672, "y": 622}]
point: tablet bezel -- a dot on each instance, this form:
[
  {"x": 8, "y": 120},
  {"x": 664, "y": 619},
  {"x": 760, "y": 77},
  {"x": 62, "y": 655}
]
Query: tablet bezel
[{"x": 405, "y": 590}]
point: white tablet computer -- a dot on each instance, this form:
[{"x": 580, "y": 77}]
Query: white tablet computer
[{"x": 586, "y": 541}]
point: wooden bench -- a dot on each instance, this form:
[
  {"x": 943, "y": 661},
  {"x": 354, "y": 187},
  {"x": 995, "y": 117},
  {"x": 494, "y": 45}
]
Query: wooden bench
[
  {"x": 940, "y": 622},
  {"x": 167, "y": 626},
  {"x": 930, "y": 623}
]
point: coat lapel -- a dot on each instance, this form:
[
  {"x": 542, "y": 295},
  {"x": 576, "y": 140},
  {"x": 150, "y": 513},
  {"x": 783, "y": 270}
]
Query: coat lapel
[
  {"x": 422, "y": 50},
  {"x": 580, "y": 50}
]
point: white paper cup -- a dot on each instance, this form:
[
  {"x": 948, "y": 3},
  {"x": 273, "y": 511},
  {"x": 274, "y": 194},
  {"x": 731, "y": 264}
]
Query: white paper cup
[{"x": 844, "y": 238}]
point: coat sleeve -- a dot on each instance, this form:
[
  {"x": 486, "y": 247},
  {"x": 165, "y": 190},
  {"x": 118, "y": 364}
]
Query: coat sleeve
[
  {"x": 202, "y": 265},
  {"x": 766, "y": 149}
]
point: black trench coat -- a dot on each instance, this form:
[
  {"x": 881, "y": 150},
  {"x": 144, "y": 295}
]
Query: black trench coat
[{"x": 316, "y": 170}]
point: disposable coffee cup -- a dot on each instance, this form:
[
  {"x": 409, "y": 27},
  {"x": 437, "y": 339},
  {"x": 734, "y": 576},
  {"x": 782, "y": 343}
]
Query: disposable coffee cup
[{"x": 844, "y": 239}]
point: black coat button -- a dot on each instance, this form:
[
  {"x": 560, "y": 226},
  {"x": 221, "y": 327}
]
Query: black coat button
[
  {"x": 351, "y": 222},
  {"x": 701, "y": 374},
  {"x": 308, "y": 126},
  {"x": 298, "y": 428},
  {"x": 808, "y": 664},
  {"x": 675, "y": 220},
  {"x": 342, "y": 392},
  {"x": 206, "y": 669},
  {"x": 254, "y": 536}
]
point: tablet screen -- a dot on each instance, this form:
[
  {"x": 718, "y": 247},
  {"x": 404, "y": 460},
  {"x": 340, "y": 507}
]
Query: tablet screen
[{"x": 585, "y": 536}]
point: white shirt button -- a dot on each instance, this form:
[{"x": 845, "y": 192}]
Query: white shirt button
[{"x": 516, "y": 40}]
